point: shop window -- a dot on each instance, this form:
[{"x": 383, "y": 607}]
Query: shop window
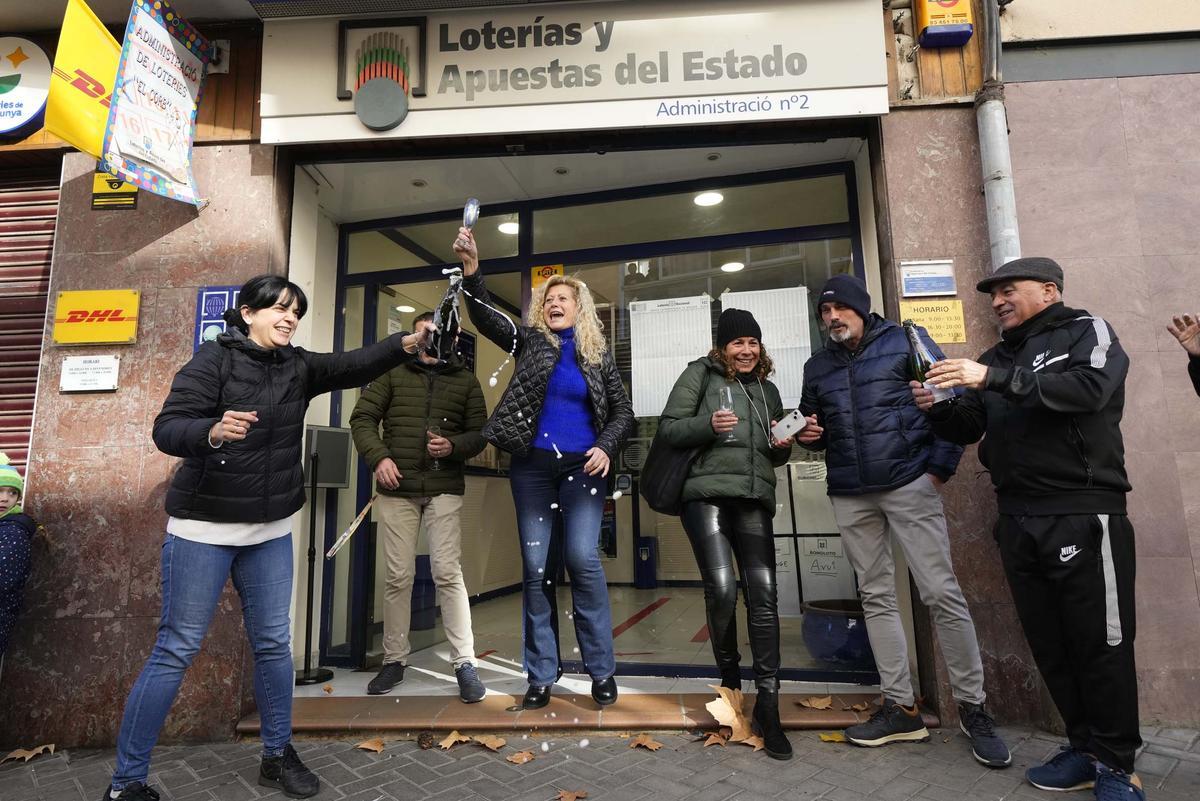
[
  {"x": 759, "y": 207},
  {"x": 403, "y": 247}
]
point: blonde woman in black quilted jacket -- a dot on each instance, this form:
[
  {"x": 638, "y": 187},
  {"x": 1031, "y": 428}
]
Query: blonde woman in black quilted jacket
[{"x": 563, "y": 417}]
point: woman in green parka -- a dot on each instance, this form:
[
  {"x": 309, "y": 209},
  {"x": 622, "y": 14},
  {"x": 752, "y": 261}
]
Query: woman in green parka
[{"x": 729, "y": 502}]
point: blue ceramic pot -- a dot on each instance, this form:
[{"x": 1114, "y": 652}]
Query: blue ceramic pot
[{"x": 835, "y": 631}]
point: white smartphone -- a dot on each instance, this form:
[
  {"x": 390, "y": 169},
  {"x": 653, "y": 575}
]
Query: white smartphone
[{"x": 792, "y": 423}]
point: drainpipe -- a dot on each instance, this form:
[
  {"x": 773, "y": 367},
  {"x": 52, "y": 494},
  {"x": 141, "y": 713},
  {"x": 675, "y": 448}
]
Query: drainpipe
[{"x": 992, "y": 121}]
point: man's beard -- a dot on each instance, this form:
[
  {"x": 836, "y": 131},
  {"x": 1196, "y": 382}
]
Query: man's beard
[{"x": 840, "y": 335}]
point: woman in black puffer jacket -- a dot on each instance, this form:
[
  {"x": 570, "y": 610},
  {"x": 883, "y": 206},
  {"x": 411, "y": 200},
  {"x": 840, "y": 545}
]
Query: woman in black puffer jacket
[
  {"x": 235, "y": 415},
  {"x": 563, "y": 417}
]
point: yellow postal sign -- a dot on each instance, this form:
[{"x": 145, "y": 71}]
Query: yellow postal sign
[
  {"x": 943, "y": 319},
  {"x": 96, "y": 317}
]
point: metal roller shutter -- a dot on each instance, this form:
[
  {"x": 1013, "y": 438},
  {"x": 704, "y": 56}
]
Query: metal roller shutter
[{"x": 28, "y": 211}]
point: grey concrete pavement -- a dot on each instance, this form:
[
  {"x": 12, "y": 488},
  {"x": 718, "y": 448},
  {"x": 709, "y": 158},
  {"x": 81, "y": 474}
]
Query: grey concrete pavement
[{"x": 609, "y": 770}]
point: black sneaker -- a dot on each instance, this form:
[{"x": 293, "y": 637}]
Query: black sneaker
[
  {"x": 1068, "y": 770},
  {"x": 388, "y": 677},
  {"x": 986, "y": 745},
  {"x": 891, "y": 723},
  {"x": 132, "y": 792},
  {"x": 470, "y": 688},
  {"x": 287, "y": 773}
]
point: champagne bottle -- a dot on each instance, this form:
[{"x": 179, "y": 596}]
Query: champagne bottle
[
  {"x": 921, "y": 359},
  {"x": 445, "y": 318}
]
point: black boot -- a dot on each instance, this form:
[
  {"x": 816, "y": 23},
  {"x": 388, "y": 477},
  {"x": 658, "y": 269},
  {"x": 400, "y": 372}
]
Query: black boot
[
  {"x": 767, "y": 725},
  {"x": 535, "y": 697},
  {"x": 731, "y": 677},
  {"x": 287, "y": 773}
]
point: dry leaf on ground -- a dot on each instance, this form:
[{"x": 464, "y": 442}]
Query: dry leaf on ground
[
  {"x": 25, "y": 756},
  {"x": 520, "y": 758},
  {"x": 426, "y": 740},
  {"x": 755, "y": 741},
  {"x": 570, "y": 795},
  {"x": 491, "y": 741},
  {"x": 833, "y": 737},
  {"x": 327, "y": 689},
  {"x": 863, "y": 707},
  {"x": 452, "y": 739},
  {"x": 645, "y": 741},
  {"x": 714, "y": 739},
  {"x": 727, "y": 709},
  {"x": 375, "y": 745},
  {"x": 817, "y": 702}
]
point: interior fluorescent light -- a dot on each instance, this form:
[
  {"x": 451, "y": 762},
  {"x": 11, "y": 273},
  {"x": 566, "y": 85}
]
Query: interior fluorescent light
[
  {"x": 510, "y": 228},
  {"x": 405, "y": 309},
  {"x": 732, "y": 266},
  {"x": 708, "y": 198}
]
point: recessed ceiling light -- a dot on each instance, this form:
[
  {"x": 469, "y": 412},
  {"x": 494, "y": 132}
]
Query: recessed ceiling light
[
  {"x": 561, "y": 170},
  {"x": 708, "y": 198},
  {"x": 510, "y": 228},
  {"x": 405, "y": 309},
  {"x": 420, "y": 183},
  {"x": 732, "y": 266},
  {"x": 713, "y": 157}
]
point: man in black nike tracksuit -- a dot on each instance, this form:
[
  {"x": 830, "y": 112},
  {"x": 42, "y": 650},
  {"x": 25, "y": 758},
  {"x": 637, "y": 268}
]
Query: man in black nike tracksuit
[{"x": 1047, "y": 401}]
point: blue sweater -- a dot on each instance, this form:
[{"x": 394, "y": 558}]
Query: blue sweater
[{"x": 566, "y": 419}]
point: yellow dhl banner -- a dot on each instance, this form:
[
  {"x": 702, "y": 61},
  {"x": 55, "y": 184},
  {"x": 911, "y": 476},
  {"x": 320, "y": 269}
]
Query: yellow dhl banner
[{"x": 85, "y": 67}]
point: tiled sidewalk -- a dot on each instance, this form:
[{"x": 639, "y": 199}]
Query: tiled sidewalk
[{"x": 609, "y": 770}]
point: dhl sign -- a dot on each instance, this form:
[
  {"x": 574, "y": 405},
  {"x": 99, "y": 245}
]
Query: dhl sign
[{"x": 96, "y": 317}]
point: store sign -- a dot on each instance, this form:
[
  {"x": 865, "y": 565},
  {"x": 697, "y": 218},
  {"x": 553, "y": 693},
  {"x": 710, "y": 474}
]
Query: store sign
[
  {"x": 927, "y": 278},
  {"x": 89, "y": 374},
  {"x": 24, "y": 82},
  {"x": 540, "y": 275},
  {"x": 112, "y": 193},
  {"x": 211, "y": 303},
  {"x": 943, "y": 319},
  {"x": 96, "y": 317},
  {"x": 152, "y": 119},
  {"x": 580, "y": 66}
]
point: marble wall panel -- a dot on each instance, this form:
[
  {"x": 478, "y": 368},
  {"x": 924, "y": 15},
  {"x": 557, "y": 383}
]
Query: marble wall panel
[
  {"x": 96, "y": 480},
  {"x": 1123, "y": 226},
  {"x": 935, "y": 204}
]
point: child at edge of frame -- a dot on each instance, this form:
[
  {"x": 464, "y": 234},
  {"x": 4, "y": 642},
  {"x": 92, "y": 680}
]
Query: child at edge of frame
[{"x": 16, "y": 535}]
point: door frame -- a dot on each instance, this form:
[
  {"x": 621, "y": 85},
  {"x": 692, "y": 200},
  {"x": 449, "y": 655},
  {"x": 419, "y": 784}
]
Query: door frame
[{"x": 353, "y": 653}]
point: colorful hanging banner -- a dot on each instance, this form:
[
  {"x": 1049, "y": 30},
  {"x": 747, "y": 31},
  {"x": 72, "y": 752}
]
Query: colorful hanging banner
[
  {"x": 152, "y": 122},
  {"x": 81, "y": 87}
]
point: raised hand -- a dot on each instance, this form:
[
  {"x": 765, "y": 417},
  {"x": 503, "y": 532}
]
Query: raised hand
[
  {"x": 1186, "y": 329},
  {"x": 465, "y": 249}
]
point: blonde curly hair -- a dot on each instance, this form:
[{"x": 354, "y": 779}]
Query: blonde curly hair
[{"x": 589, "y": 331}]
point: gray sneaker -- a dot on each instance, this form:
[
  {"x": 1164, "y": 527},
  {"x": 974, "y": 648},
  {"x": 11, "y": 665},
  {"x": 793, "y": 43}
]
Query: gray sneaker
[
  {"x": 388, "y": 677},
  {"x": 891, "y": 723},
  {"x": 470, "y": 688}
]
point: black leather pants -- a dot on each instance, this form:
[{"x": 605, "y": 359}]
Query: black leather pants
[{"x": 719, "y": 529}]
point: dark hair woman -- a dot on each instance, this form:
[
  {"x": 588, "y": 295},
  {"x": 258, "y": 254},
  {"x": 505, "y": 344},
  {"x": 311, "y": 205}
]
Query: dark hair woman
[
  {"x": 563, "y": 417},
  {"x": 729, "y": 501},
  {"x": 235, "y": 415}
]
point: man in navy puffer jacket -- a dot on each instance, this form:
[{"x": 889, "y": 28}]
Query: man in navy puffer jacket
[{"x": 884, "y": 469}]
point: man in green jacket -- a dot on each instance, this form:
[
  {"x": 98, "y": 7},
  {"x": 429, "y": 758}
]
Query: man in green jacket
[{"x": 432, "y": 414}]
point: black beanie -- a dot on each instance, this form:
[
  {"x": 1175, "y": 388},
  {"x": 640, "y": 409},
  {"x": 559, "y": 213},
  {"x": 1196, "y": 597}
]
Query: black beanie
[
  {"x": 848, "y": 290},
  {"x": 736, "y": 323}
]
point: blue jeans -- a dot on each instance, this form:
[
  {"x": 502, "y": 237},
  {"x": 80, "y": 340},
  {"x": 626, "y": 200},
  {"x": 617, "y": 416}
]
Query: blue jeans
[
  {"x": 572, "y": 530},
  {"x": 193, "y": 575}
]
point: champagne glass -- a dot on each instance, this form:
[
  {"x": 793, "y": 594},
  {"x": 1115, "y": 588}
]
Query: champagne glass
[
  {"x": 726, "y": 400},
  {"x": 435, "y": 431}
]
